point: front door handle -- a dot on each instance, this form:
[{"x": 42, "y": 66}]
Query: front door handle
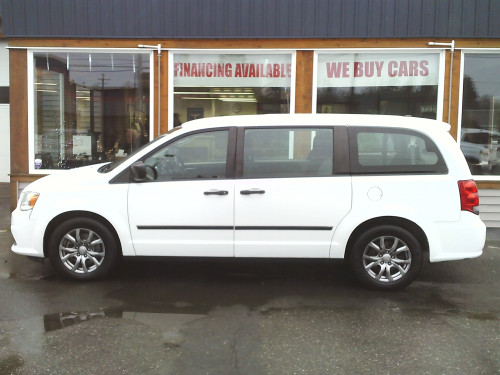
[
  {"x": 216, "y": 192},
  {"x": 252, "y": 191}
]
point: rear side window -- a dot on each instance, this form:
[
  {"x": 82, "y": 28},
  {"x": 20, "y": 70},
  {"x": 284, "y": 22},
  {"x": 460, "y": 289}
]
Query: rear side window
[
  {"x": 385, "y": 151},
  {"x": 285, "y": 152}
]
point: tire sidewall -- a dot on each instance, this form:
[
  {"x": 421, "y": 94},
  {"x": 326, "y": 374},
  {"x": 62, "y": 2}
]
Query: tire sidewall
[
  {"x": 359, "y": 245},
  {"x": 110, "y": 258}
]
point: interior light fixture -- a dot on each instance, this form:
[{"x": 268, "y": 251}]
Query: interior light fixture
[
  {"x": 243, "y": 100},
  {"x": 213, "y": 93},
  {"x": 197, "y": 98},
  {"x": 193, "y": 92}
]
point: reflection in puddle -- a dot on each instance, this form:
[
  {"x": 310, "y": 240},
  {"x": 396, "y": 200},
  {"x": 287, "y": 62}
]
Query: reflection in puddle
[
  {"x": 32, "y": 336},
  {"x": 27, "y": 336},
  {"x": 54, "y": 322},
  {"x": 167, "y": 322}
]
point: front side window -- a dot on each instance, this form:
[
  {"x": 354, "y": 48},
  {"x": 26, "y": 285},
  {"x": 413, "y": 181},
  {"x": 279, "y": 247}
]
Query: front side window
[
  {"x": 89, "y": 107},
  {"x": 480, "y": 135},
  {"x": 393, "y": 151},
  {"x": 288, "y": 153},
  {"x": 196, "y": 156},
  {"x": 210, "y": 85},
  {"x": 378, "y": 83}
]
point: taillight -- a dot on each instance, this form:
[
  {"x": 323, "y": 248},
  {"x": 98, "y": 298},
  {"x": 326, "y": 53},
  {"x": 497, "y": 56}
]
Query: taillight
[{"x": 469, "y": 197}]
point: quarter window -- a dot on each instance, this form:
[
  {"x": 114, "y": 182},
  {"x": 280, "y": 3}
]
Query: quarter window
[
  {"x": 394, "y": 151},
  {"x": 288, "y": 152}
]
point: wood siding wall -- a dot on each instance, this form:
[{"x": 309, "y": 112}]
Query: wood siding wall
[{"x": 489, "y": 208}]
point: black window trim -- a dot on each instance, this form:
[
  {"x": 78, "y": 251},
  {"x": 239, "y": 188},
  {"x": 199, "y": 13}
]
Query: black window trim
[
  {"x": 125, "y": 175},
  {"x": 440, "y": 168},
  {"x": 340, "y": 149}
]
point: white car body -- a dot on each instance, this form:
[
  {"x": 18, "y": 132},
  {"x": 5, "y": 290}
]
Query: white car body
[{"x": 295, "y": 217}]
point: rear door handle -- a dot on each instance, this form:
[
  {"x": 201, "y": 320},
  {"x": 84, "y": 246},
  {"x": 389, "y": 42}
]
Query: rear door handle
[
  {"x": 252, "y": 191},
  {"x": 216, "y": 192}
]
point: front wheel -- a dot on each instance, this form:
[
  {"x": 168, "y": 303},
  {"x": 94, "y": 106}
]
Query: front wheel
[
  {"x": 386, "y": 257},
  {"x": 83, "y": 249}
]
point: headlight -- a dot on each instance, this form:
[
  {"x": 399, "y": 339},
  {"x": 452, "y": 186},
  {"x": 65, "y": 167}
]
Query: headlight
[{"x": 28, "y": 200}]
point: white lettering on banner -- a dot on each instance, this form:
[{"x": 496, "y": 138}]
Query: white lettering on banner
[
  {"x": 369, "y": 70},
  {"x": 232, "y": 70}
]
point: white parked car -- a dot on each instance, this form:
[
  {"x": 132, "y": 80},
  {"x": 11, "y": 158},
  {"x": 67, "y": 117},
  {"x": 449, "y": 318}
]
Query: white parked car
[{"x": 379, "y": 191}]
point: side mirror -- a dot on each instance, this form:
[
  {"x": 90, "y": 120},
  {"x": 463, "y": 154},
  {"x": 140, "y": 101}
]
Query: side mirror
[
  {"x": 138, "y": 171},
  {"x": 141, "y": 172}
]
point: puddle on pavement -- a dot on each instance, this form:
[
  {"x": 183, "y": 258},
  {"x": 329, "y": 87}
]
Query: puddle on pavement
[
  {"x": 483, "y": 316},
  {"x": 5, "y": 275},
  {"x": 26, "y": 335},
  {"x": 10, "y": 364},
  {"x": 173, "y": 320},
  {"x": 166, "y": 321}
]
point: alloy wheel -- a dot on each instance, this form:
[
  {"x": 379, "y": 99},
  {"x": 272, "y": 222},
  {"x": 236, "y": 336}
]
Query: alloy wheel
[
  {"x": 387, "y": 259},
  {"x": 82, "y": 250}
]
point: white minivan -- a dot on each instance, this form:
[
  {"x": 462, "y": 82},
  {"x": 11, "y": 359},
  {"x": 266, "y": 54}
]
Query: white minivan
[{"x": 378, "y": 191}]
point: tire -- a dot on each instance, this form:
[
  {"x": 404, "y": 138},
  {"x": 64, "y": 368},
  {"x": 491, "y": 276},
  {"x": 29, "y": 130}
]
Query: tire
[
  {"x": 83, "y": 249},
  {"x": 386, "y": 258}
]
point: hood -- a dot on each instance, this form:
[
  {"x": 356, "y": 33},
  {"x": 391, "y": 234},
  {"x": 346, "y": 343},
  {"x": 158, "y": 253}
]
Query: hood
[{"x": 70, "y": 179}]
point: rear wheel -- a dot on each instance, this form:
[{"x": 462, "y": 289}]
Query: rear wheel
[
  {"x": 83, "y": 249},
  {"x": 386, "y": 257}
]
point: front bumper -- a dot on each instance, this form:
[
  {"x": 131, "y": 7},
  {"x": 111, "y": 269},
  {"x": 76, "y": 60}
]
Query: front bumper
[{"x": 28, "y": 237}]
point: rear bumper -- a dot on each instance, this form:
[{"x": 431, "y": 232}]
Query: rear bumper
[{"x": 458, "y": 240}]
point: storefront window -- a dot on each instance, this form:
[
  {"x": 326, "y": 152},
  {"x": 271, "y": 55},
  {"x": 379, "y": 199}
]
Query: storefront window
[
  {"x": 209, "y": 85},
  {"x": 378, "y": 83},
  {"x": 480, "y": 135},
  {"x": 88, "y": 107}
]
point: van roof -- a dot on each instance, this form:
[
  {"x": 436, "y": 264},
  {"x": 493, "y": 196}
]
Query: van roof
[{"x": 318, "y": 119}]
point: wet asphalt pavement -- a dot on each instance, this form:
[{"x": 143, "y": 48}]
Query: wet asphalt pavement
[{"x": 224, "y": 317}]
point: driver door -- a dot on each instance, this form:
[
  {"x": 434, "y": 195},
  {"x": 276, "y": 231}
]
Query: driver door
[{"x": 188, "y": 209}]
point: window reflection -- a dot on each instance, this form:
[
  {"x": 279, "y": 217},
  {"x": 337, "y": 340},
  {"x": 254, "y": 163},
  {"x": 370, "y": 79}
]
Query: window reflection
[
  {"x": 89, "y": 107},
  {"x": 417, "y": 101},
  {"x": 378, "y": 83},
  {"x": 210, "y": 85},
  {"x": 480, "y": 134},
  {"x": 198, "y": 156},
  {"x": 271, "y": 153}
]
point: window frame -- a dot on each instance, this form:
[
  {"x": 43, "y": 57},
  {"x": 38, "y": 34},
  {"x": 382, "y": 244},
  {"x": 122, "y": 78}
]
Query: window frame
[
  {"x": 440, "y": 168},
  {"x": 173, "y": 51},
  {"x": 230, "y": 156},
  {"x": 340, "y": 150},
  {"x": 463, "y": 52},
  {"x": 31, "y": 72},
  {"x": 388, "y": 51}
]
